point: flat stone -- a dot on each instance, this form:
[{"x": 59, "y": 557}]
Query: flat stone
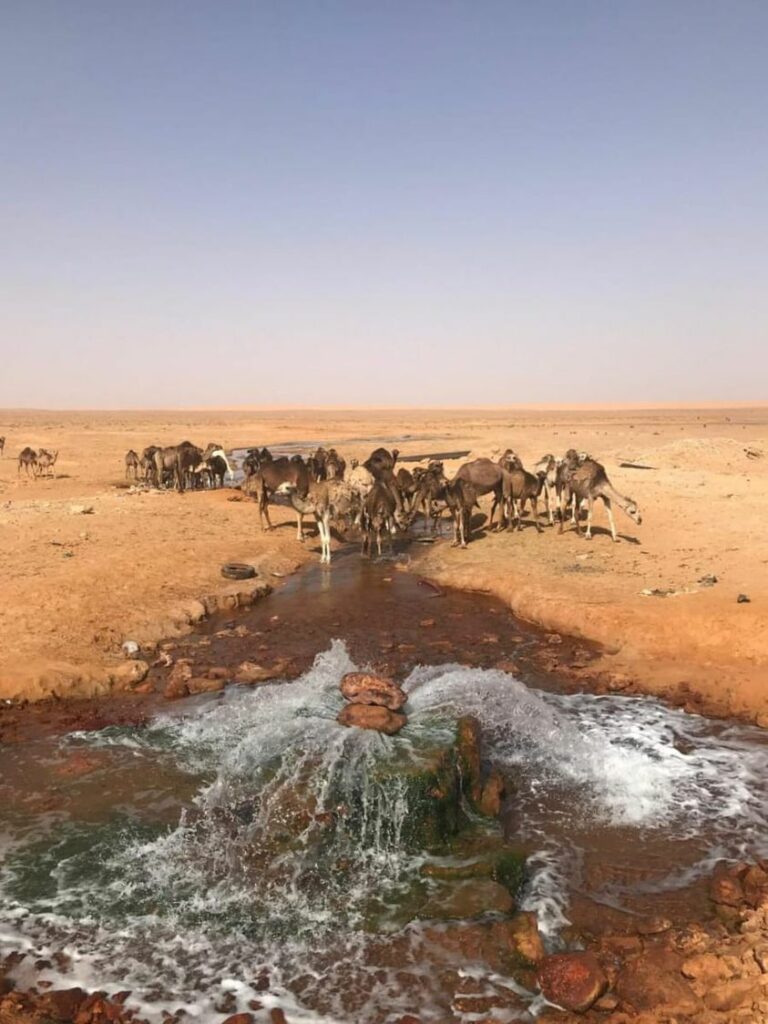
[
  {"x": 367, "y": 688},
  {"x": 469, "y": 898},
  {"x": 372, "y": 716}
]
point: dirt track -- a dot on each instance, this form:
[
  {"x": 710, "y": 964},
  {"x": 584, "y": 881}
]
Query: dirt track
[{"x": 76, "y": 583}]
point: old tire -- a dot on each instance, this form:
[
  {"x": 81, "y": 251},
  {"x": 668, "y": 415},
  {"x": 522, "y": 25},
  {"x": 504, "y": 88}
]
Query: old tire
[{"x": 238, "y": 571}]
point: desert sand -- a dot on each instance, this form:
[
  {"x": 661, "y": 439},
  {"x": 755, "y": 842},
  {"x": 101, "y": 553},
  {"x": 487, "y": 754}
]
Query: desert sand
[{"x": 88, "y": 564}]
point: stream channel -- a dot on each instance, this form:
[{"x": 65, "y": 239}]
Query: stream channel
[{"x": 241, "y": 850}]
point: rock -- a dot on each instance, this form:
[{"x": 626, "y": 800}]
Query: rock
[
  {"x": 706, "y": 967},
  {"x": 725, "y": 886},
  {"x": 204, "y": 684},
  {"x": 606, "y": 1003},
  {"x": 730, "y": 995},
  {"x": 372, "y": 716},
  {"x": 366, "y": 688},
  {"x": 644, "y": 985},
  {"x": 468, "y": 754},
  {"x": 762, "y": 720},
  {"x": 492, "y": 794},
  {"x": 572, "y": 980},
  {"x": 63, "y": 1004},
  {"x": 523, "y": 935},
  {"x": 240, "y": 1018},
  {"x": 277, "y": 1016},
  {"x": 129, "y": 675},
  {"x": 81, "y": 510},
  {"x": 743, "y": 599},
  {"x": 130, "y": 649},
  {"x": 467, "y": 899},
  {"x": 218, "y": 672},
  {"x": 178, "y": 678},
  {"x": 654, "y": 926},
  {"x": 250, "y": 672},
  {"x": 755, "y": 885}
]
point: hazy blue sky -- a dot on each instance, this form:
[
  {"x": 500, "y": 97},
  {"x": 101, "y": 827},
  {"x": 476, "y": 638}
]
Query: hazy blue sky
[{"x": 232, "y": 202}]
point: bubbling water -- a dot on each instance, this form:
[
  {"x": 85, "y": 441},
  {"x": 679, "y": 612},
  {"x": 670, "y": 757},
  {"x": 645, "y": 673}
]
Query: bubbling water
[{"x": 252, "y": 895}]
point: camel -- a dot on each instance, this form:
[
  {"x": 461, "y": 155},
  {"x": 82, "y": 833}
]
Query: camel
[
  {"x": 254, "y": 459},
  {"x": 46, "y": 461},
  {"x": 279, "y": 475},
  {"x": 520, "y": 486},
  {"x": 317, "y": 464},
  {"x": 381, "y": 461},
  {"x": 335, "y": 466},
  {"x": 431, "y": 484},
  {"x": 27, "y": 459},
  {"x": 379, "y": 514},
  {"x": 217, "y": 464},
  {"x": 177, "y": 462},
  {"x": 461, "y": 498},
  {"x": 547, "y": 465},
  {"x": 485, "y": 476},
  {"x": 131, "y": 465},
  {"x": 509, "y": 461},
  {"x": 325, "y": 500},
  {"x": 588, "y": 481},
  {"x": 147, "y": 465}
]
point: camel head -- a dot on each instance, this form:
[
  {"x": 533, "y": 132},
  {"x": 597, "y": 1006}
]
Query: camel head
[{"x": 633, "y": 511}]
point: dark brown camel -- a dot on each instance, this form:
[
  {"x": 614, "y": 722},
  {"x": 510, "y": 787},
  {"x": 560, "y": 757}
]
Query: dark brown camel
[
  {"x": 486, "y": 477},
  {"x": 285, "y": 475},
  {"x": 518, "y": 488},
  {"x": 27, "y": 459},
  {"x": 430, "y": 493},
  {"x": 461, "y": 498},
  {"x": 380, "y": 514}
]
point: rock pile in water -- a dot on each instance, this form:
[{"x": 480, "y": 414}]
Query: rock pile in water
[{"x": 374, "y": 703}]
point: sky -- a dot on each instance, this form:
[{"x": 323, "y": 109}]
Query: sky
[{"x": 403, "y": 202}]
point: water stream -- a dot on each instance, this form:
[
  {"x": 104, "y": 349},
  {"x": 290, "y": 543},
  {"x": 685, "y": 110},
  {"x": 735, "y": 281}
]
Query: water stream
[{"x": 243, "y": 850}]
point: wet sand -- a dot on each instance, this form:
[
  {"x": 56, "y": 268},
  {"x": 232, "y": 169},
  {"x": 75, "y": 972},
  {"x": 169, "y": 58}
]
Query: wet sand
[{"x": 77, "y": 583}]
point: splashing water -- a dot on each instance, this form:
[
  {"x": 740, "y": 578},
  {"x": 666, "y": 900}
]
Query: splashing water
[{"x": 250, "y": 894}]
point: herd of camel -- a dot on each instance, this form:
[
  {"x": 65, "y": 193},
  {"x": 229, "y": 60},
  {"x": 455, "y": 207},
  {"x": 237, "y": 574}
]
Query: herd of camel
[
  {"x": 381, "y": 498},
  {"x": 378, "y": 496},
  {"x": 34, "y": 463}
]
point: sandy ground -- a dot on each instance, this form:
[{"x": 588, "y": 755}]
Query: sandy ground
[{"x": 75, "y": 584}]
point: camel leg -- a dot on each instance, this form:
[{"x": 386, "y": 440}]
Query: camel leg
[
  {"x": 574, "y": 509},
  {"x": 463, "y": 527},
  {"x": 300, "y": 526},
  {"x": 264, "y": 508},
  {"x": 378, "y": 538},
  {"x": 609, "y": 510},
  {"x": 535, "y": 511},
  {"x": 590, "y": 508}
]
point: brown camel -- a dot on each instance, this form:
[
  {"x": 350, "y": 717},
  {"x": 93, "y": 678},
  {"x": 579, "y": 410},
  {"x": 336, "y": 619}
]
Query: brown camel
[
  {"x": 430, "y": 493},
  {"x": 279, "y": 475},
  {"x": 131, "y": 465},
  {"x": 520, "y": 487},
  {"x": 485, "y": 476},
  {"x": 588, "y": 481},
  {"x": 27, "y": 459},
  {"x": 380, "y": 514},
  {"x": 461, "y": 498}
]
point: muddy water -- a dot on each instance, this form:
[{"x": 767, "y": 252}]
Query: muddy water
[{"x": 131, "y": 861}]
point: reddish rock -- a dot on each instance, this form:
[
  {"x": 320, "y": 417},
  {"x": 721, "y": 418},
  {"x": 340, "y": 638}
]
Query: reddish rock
[
  {"x": 492, "y": 795},
  {"x": 277, "y": 1016},
  {"x": 240, "y": 1018},
  {"x": 250, "y": 672},
  {"x": 366, "y": 688},
  {"x": 203, "y": 684},
  {"x": 731, "y": 995},
  {"x": 644, "y": 985},
  {"x": 522, "y": 934},
  {"x": 372, "y": 716},
  {"x": 63, "y": 1004},
  {"x": 572, "y": 980},
  {"x": 755, "y": 885},
  {"x": 178, "y": 678},
  {"x": 725, "y": 886},
  {"x": 468, "y": 754}
]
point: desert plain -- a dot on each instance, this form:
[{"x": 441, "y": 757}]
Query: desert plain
[{"x": 88, "y": 563}]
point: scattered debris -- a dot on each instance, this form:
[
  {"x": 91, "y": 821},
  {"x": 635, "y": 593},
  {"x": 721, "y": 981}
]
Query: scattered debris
[
  {"x": 743, "y": 599},
  {"x": 754, "y": 453},
  {"x": 635, "y": 465}
]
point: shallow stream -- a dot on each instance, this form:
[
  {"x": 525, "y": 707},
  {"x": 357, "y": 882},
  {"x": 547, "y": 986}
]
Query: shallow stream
[{"x": 191, "y": 862}]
